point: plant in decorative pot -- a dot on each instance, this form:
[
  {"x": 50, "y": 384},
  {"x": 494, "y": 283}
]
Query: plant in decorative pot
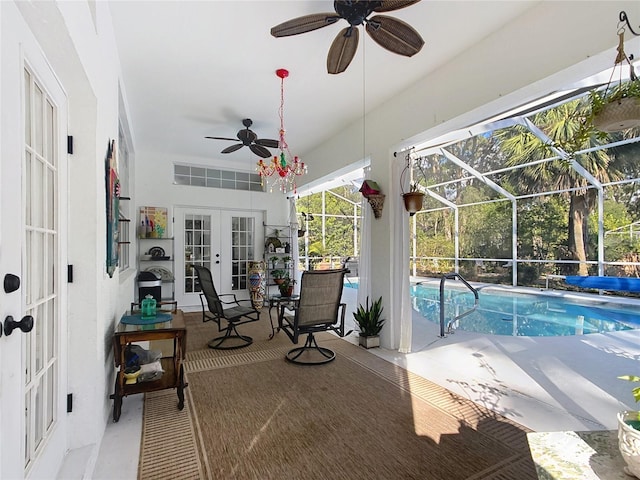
[
  {"x": 617, "y": 107},
  {"x": 414, "y": 197},
  {"x": 286, "y": 287},
  {"x": 413, "y": 200},
  {"x": 279, "y": 276},
  {"x": 369, "y": 323},
  {"x": 274, "y": 261},
  {"x": 629, "y": 432},
  {"x": 287, "y": 261}
]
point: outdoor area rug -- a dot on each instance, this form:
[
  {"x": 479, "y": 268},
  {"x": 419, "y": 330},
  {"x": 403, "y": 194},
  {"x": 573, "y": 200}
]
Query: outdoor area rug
[
  {"x": 168, "y": 445},
  {"x": 256, "y": 416}
]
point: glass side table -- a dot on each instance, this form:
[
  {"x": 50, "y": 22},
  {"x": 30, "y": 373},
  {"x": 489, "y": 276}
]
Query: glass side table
[{"x": 277, "y": 301}]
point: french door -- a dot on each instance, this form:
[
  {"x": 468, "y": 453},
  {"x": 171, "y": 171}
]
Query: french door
[
  {"x": 224, "y": 241},
  {"x": 32, "y": 254}
]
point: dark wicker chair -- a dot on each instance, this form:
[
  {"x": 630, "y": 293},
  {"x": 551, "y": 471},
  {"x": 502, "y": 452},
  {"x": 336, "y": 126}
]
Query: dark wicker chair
[
  {"x": 318, "y": 310},
  {"x": 227, "y": 319}
]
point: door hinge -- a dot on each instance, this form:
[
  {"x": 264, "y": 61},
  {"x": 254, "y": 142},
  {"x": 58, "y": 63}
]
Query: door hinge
[
  {"x": 69, "y": 402},
  {"x": 69, "y": 273},
  {"x": 70, "y": 144}
]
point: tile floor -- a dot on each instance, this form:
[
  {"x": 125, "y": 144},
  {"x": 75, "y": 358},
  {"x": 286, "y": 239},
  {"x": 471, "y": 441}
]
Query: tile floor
[{"x": 545, "y": 383}]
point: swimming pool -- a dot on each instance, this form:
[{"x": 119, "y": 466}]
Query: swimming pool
[{"x": 504, "y": 312}]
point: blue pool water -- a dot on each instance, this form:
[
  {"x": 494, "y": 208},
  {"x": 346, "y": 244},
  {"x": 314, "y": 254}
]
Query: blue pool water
[{"x": 502, "y": 312}]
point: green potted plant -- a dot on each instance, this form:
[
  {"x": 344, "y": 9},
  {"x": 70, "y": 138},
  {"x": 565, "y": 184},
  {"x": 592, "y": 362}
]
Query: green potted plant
[
  {"x": 629, "y": 432},
  {"x": 617, "y": 108},
  {"x": 279, "y": 276},
  {"x": 369, "y": 323},
  {"x": 287, "y": 261},
  {"x": 286, "y": 287},
  {"x": 274, "y": 261}
]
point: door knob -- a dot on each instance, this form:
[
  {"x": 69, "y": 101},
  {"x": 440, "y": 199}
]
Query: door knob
[
  {"x": 25, "y": 324},
  {"x": 11, "y": 283}
]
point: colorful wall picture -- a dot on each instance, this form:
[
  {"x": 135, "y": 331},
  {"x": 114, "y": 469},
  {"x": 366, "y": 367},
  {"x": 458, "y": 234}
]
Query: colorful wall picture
[
  {"x": 112, "y": 203},
  {"x": 152, "y": 222}
]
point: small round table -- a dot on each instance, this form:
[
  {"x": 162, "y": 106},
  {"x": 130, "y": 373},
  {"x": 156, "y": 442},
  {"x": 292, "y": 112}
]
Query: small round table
[{"x": 278, "y": 301}]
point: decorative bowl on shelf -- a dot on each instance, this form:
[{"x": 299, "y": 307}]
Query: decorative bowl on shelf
[
  {"x": 156, "y": 252},
  {"x": 163, "y": 273},
  {"x": 131, "y": 374}
]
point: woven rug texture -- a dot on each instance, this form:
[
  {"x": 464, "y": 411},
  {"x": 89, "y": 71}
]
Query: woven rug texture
[{"x": 250, "y": 414}]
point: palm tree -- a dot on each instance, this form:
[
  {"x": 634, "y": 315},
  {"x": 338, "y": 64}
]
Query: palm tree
[{"x": 565, "y": 126}]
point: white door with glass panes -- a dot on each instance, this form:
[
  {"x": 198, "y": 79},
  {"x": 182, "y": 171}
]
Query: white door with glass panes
[
  {"x": 224, "y": 241},
  {"x": 33, "y": 203}
]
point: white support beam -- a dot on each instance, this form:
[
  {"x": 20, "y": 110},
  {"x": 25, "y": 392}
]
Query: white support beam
[{"x": 465, "y": 166}]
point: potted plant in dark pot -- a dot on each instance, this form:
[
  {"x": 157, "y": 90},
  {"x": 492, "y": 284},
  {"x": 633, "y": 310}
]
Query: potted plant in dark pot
[
  {"x": 286, "y": 287},
  {"x": 629, "y": 432},
  {"x": 369, "y": 323}
]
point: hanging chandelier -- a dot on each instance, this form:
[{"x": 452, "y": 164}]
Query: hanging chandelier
[{"x": 282, "y": 170}]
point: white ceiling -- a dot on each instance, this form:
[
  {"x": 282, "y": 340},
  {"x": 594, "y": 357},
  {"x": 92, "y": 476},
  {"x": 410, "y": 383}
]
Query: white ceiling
[{"x": 197, "y": 68}]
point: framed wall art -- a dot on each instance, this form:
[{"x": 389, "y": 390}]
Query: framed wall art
[
  {"x": 112, "y": 204},
  {"x": 152, "y": 222}
]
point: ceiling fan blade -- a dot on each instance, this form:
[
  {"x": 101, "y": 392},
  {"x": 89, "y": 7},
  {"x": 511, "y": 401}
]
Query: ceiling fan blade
[
  {"x": 267, "y": 142},
  {"x": 223, "y": 138},
  {"x": 394, "y": 35},
  {"x": 342, "y": 50},
  {"x": 260, "y": 151},
  {"x": 389, "y": 5},
  {"x": 304, "y": 24},
  {"x": 233, "y": 148}
]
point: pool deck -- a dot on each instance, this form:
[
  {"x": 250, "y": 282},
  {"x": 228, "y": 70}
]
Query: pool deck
[{"x": 544, "y": 383}]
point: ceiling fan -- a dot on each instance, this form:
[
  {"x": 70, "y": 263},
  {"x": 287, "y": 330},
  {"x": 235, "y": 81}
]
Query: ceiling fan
[
  {"x": 388, "y": 32},
  {"x": 249, "y": 139}
]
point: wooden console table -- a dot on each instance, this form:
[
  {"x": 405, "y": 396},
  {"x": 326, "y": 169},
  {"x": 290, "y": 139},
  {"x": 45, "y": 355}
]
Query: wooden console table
[{"x": 173, "y": 376}]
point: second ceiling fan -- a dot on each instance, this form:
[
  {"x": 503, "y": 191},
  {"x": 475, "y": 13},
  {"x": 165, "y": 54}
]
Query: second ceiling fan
[{"x": 249, "y": 139}]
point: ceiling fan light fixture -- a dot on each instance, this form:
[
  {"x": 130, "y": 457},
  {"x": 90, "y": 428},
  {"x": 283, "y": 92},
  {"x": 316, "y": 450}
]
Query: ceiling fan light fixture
[
  {"x": 390, "y": 33},
  {"x": 280, "y": 171},
  {"x": 248, "y": 138}
]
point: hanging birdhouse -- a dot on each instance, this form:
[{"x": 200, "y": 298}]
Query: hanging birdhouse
[{"x": 371, "y": 191}]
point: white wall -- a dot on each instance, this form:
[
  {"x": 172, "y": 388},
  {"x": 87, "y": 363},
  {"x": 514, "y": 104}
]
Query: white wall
[
  {"x": 155, "y": 188},
  {"x": 84, "y": 56},
  {"x": 514, "y": 65}
]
